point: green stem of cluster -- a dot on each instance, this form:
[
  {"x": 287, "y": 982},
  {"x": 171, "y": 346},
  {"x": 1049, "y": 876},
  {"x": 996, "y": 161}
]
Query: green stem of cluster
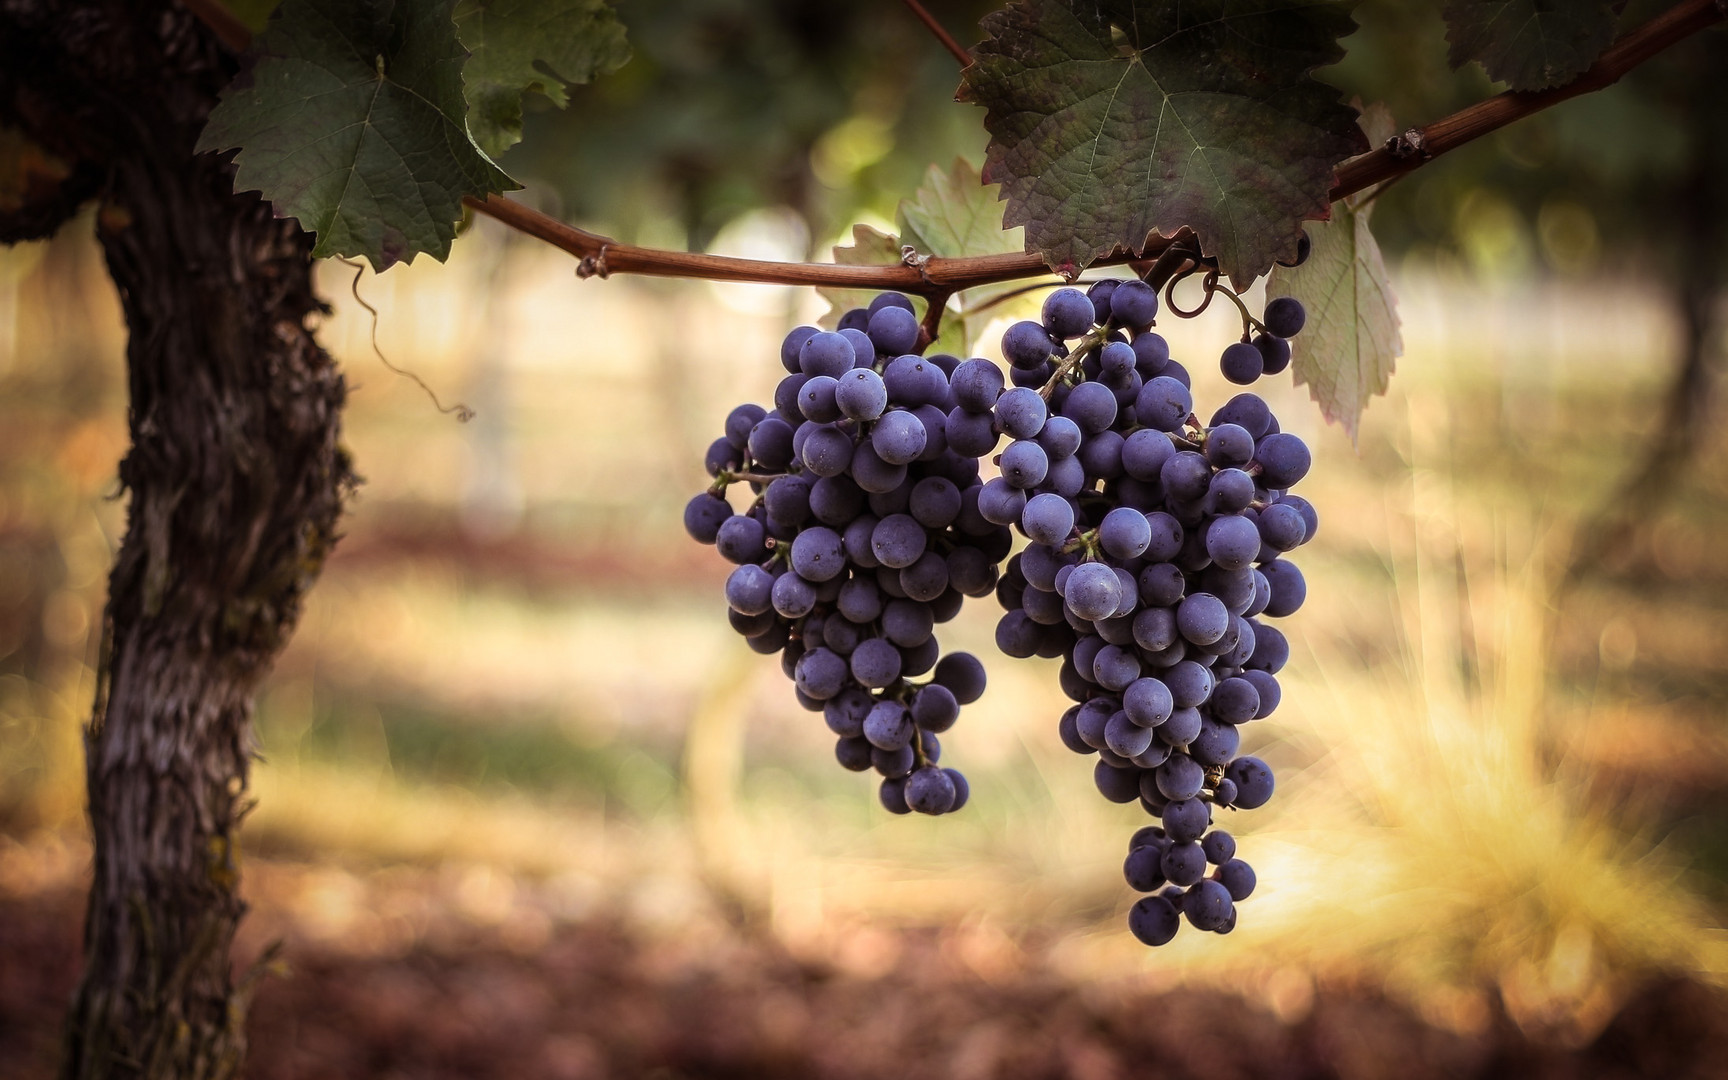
[{"x": 1094, "y": 338}]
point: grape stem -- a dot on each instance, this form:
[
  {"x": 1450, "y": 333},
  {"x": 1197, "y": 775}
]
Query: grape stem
[
  {"x": 1094, "y": 338},
  {"x": 1249, "y": 322},
  {"x": 600, "y": 255},
  {"x": 725, "y": 478}
]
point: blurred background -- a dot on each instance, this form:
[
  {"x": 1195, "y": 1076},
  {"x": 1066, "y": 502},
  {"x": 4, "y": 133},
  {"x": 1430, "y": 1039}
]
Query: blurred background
[{"x": 526, "y": 806}]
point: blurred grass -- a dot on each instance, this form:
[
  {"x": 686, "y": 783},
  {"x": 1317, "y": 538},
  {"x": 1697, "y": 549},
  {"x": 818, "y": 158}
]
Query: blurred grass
[{"x": 516, "y": 662}]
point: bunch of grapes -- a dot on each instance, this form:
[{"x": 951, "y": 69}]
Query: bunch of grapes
[
  {"x": 1156, "y": 552},
  {"x": 864, "y": 533}
]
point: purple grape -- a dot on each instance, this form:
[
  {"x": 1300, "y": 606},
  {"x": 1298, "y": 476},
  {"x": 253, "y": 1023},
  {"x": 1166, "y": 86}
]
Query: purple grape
[
  {"x": 1068, "y": 314},
  {"x": 1284, "y": 317},
  {"x": 893, "y": 330}
]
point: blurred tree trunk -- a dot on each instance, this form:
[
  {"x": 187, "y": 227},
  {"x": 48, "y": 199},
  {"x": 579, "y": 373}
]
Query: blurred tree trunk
[
  {"x": 236, "y": 478},
  {"x": 1693, "y": 235}
]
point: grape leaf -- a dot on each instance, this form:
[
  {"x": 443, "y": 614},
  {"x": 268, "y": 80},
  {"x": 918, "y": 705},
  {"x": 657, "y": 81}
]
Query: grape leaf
[
  {"x": 1346, "y": 353},
  {"x": 1530, "y": 44},
  {"x": 349, "y": 117},
  {"x": 956, "y": 214},
  {"x": 519, "y": 46},
  {"x": 1112, "y": 120}
]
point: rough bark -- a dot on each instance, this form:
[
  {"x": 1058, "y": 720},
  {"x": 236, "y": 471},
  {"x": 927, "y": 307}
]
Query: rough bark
[{"x": 236, "y": 479}]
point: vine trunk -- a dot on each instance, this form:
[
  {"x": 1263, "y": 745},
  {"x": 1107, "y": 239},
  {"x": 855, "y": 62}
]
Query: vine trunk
[{"x": 236, "y": 479}]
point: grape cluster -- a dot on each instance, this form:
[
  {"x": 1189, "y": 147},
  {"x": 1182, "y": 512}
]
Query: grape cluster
[
  {"x": 1156, "y": 553},
  {"x": 864, "y": 534}
]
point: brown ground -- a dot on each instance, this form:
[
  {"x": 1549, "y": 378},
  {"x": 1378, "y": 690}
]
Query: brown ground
[{"x": 595, "y": 1000}]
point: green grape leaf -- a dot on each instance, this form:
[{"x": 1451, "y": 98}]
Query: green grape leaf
[
  {"x": 956, "y": 214},
  {"x": 1346, "y": 353},
  {"x": 1530, "y": 44},
  {"x": 349, "y": 117},
  {"x": 543, "y": 46},
  {"x": 1113, "y": 120}
]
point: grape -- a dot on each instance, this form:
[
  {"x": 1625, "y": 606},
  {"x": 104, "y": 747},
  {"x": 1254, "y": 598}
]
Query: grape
[
  {"x": 1117, "y": 360},
  {"x": 935, "y": 502},
  {"x": 742, "y": 539},
  {"x": 749, "y": 589},
  {"x": 1091, "y": 406},
  {"x": 1093, "y": 591},
  {"x": 876, "y": 663},
  {"x": 1219, "y": 846},
  {"x": 1288, "y": 587},
  {"x": 898, "y": 438},
  {"x": 1202, "y": 618},
  {"x": 1229, "y": 446},
  {"x": 860, "y": 394},
  {"x": 1282, "y": 527},
  {"x": 1117, "y": 785},
  {"x": 1186, "y": 820},
  {"x": 1253, "y": 782},
  {"x": 907, "y": 622},
  {"x": 1266, "y": 688},
  {"x": 1207, "y": 905},
  {"x": 1283, "y": 460},
  {"x": 820, "y": 673},
  {"x": 1237, "y": 877},
  {"x": 1068, "y": 314},
  {"x": 1114, "y": 668},
  {"x": 893, "y": 330},
  {"x": 1232, "y": 543},
  {"x": 1020, "y": 413},
  {"x": 852, "y": 753},
  {"x": 790, "y": 351},
  {"x": 1153, "y": 920},
  {"x": 1216, "y": 743},
  {"x": 893, "y": 795},
  {"x": 1151, "y": 355},
  {"x": 889, "y": 299},
  {"x": 1246, "y": 411},
  {"x": 1274, "y": 353},
  {"x": 929, "y": 790},
  {"x": 1183, "y": 864},
  {"x": 976, "y": 384},
  {"x": 1142, "y": 868},
  {"x": 1134, "y": 304},
  {"x": 1235, "y": 700},
  {"x": 1099, "y": 293},
  {"x": 1124, "y": 533},
  {"x": 1026, "y": 345},
  {"x": 1123, "y": 736},
  {"x": 1048, "y": 519},
  {"x": 1242, "y": 363},
  {"x": 1284, "y": 317},
  {"x": 1060, "y": 437},
  {"x": 912, "y": 380},
  {"x": 888, "y": 726},
  {"x": 704, "y": 515},
  {"x": 1183, "y": 727},
  {"x": 1180, "y": 778},
  {"x": 792, "y": 596},
  {"x": 1024, "y": 463},
  {"x": 826, "y": 353},
  {"x": 1163, "y": 404}
]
